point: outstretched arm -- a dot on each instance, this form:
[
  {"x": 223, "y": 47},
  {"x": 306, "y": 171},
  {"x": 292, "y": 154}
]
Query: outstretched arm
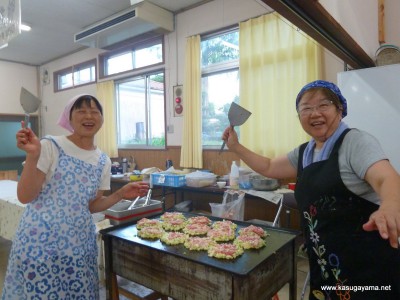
[
  {"x": 386, "y": 182},
  {"x": 279, "y": 167}
]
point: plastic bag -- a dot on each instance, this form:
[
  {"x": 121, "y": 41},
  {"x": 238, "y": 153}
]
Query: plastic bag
[{"x": 232, "y": 206}]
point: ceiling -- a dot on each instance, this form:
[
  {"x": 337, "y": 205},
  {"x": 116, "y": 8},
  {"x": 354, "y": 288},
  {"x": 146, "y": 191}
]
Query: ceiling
[{"x": 54, "y": 24}]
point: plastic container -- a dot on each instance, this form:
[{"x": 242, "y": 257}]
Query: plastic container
[
  {"x": 244, "y": 182},
  {"x": 135, "y": 177},
  {"x": 200, "y": 179},
  {"x": 185, "y": 206},
  {"x": 165, "y": 179},
  {"x": 262, "y": 183},
  {"x": 234, "y": 176}
]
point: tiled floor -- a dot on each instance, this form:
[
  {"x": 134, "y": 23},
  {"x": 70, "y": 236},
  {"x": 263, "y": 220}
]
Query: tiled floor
[{"x": 302, "y": 269}]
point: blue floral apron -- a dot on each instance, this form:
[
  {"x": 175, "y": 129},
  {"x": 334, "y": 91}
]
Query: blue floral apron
[
  {"x": 54, "y": 252},
  {"x": 345, "y": 261}
]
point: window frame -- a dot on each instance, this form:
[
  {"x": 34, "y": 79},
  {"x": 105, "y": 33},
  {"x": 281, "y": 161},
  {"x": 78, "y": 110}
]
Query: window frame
[
  {"x": 132, "y": 47},
  {"x": 218, "y": 68},
  {"x": 71, "y": 70},
  {"x": 138, "y": 75}
]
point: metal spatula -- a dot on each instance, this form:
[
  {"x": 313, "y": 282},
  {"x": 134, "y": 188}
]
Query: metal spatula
[
  {"x": 29, "y": 103},
  {"x": 237, "y": 115}
]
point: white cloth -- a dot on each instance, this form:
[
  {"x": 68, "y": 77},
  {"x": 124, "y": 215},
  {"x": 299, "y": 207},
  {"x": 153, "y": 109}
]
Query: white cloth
[
  {"x": 10, "y": 209},
  {"x": 63, "y": 120},
  {"x": 8, "y": 191}
]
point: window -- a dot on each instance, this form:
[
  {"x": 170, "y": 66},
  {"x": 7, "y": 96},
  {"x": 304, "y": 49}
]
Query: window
[
  {"x": 132, "y": 57},
  {"x": 220, "y": 83},
  {"x": 140, "y": 111},
  {"x": 74, "y": 76},
  {"x": 140, "y": 98}
]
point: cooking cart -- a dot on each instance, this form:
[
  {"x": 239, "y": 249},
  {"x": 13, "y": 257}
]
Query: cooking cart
[{"x": 183, "y": 274}]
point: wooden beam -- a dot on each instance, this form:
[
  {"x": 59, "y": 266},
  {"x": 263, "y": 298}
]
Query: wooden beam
[
  {"x": 312, "y": 18},
  {"x": 381, "y": 21}
]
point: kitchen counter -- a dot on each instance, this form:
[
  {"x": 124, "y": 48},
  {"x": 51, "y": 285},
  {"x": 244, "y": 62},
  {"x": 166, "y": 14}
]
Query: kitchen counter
[
  {"x": 256, "y": 207},
  {"x": 267, "y": 206}
]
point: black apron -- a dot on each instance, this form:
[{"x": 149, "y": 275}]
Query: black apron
[{"x": 342, "y": 256}]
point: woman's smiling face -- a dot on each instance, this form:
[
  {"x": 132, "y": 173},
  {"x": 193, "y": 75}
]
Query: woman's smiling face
[
  {"x": 318, "y": 114},
  {"x": 87, "y": 119}
]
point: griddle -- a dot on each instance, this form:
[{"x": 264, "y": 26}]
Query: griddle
[{"x": 241, "y": 265}]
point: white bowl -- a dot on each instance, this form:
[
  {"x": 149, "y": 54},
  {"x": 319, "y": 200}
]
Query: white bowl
[
  {"x": 117, "y": 175},
  {"x": 221, "y": 184}
]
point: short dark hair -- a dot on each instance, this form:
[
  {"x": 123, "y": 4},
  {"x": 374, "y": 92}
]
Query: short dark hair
[{"x": 87, "y": 99}]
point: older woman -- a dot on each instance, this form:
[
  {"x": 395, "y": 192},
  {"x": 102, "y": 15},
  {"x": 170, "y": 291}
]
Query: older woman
[
  {"x": 349, "y": 197},
  {"x": 54, "y": 252}
]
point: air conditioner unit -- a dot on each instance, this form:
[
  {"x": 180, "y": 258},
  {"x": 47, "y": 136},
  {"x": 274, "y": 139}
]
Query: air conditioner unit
[{"x": 141, "y": 19}]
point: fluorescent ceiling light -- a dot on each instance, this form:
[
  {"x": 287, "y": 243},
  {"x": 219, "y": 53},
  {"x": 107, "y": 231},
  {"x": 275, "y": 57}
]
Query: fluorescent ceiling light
[
  {"x": 4, "y": 46},
  {"x": 25, "y": 27},
  {"x": 133, "y": 2}
]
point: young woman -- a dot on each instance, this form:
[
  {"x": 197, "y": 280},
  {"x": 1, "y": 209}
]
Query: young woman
[
  {"x": 54, "y": 252},
  {"x": 348, "y": 195}
]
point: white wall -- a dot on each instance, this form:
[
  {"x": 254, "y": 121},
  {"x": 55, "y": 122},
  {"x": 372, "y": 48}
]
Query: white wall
[
  {"x": 54, "y": 103},
  {"x": 392, "y": 28},
  {"x": 360, "y": 19},
  {"x": 13, "y": 77}
]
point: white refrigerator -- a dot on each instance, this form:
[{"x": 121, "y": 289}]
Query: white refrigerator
[{"x": 373, "y": 99}]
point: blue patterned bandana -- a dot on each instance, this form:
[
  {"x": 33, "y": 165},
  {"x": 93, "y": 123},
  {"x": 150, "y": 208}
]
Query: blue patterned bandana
[{"x": 324, "y": 84}]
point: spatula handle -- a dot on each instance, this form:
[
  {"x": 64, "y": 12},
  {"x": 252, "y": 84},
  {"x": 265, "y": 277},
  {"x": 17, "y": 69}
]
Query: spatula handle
[
  {"x": 26, "y": 120},
  {"x": 223, "y": 144},
  {"x": 222, "y": 147}
]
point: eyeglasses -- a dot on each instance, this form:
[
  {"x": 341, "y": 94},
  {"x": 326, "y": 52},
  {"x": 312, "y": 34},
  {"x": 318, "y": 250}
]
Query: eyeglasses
[{"x": 307, "y": 110}]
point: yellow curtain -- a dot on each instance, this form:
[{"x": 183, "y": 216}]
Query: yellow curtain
[
  {"x": 106, "y": 137},
  {"x": 191, "y": 150},
  {"x": 276, "y": 61}
]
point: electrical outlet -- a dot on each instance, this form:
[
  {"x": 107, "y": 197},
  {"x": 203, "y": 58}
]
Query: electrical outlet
[{"x": 170, "y": 128}]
